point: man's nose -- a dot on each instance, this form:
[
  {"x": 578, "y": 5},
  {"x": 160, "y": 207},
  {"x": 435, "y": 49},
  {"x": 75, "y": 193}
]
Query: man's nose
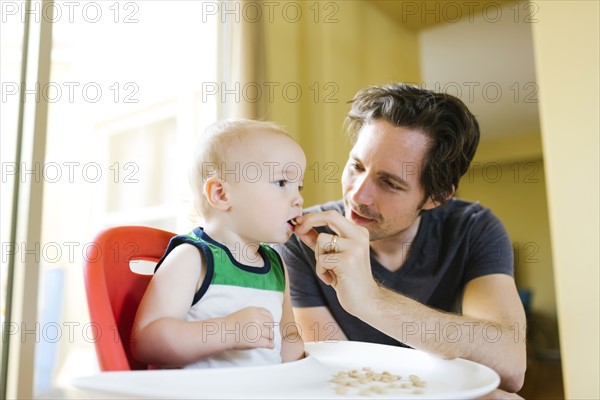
[{"x": 363, "y": 191}]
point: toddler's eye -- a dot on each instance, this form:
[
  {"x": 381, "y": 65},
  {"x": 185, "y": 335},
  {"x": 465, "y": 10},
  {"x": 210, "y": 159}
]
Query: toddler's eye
[
  {"x": 281, "y": 183},
  {"x": 356, "y": 166}
]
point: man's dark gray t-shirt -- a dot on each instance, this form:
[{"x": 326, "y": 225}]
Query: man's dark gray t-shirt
[{"x": 455, "y": 243}]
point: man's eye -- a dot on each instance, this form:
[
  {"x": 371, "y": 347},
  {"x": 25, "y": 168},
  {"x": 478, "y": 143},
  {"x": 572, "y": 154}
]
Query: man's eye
[{"x": 392, "y": 185}]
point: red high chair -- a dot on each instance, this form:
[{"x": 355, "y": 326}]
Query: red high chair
[{"x": 114, "y": 291}]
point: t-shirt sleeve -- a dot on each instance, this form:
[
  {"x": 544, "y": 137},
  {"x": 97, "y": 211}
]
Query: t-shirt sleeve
[
  {"x": 305, "y": 290},
  {"x": 490, "y": 248}
]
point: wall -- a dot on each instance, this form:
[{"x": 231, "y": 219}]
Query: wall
[
  {"x": 507, "y": 175},
  {"x": 566, "y": 43},
  {"x": 487, "y": 61},
  {"x": 331, "y": 52}
]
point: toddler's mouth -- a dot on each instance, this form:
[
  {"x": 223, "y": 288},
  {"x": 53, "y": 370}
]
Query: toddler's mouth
[{"x": 293, "y": 222}]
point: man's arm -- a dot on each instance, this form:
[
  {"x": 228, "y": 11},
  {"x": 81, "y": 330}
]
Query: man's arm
[
  {"x": 484, "y": 333},
  {"x": 487, "y": 332},
  {"x": 495, "y": 298}
]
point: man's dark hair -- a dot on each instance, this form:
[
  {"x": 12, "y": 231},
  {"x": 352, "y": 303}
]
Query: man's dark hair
[{"x": 452, "y": 129}]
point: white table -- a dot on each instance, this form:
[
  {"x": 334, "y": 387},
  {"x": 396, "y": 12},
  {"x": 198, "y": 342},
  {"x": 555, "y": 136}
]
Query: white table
[{"x": 308, "y": 378}]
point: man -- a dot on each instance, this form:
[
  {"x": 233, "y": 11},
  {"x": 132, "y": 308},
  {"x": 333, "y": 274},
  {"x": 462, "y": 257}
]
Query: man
[{"x": 399, "y": 260}]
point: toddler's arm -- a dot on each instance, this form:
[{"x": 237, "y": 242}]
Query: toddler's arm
[
  {"x": 292, "y": 345},
  {"x": 163, "y": 337}
]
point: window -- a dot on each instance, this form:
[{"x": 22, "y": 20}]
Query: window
[{"x": 125, "y": 105}]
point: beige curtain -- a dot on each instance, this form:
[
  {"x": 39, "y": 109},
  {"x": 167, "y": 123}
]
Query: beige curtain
[{"x": 242, "y": 57}]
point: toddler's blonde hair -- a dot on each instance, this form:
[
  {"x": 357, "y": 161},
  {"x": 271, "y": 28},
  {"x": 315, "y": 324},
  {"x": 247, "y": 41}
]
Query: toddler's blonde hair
[{"x": 210, "y": 154}]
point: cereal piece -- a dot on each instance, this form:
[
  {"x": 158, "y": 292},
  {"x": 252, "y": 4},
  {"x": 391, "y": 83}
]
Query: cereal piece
[
  {"x": 367, "y": 382},
  {"x": 378, "y": 389},
  {"x": 416, "y": 381},
  {"x": 340, "y": 382},
  {"x": 341, "y": 390}
]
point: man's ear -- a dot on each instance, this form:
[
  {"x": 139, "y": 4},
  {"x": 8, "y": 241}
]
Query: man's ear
[
  {"x": 215, "y": 191},
  {"x": 430, "y": 203}
]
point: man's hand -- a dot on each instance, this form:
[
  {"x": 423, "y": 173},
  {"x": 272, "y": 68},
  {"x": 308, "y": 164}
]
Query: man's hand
[{"x": 342, "y": 259}]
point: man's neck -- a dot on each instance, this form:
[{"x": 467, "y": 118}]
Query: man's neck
[{"x": 393, "y": 252}]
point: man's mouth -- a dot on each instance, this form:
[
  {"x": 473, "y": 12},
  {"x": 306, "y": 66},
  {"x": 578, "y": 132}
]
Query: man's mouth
[{"x": 359, "y": 219}]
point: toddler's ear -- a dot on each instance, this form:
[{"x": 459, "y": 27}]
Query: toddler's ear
[{"x": 215, "y": 191}]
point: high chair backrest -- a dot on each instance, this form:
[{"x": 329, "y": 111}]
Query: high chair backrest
[{"x": 114, "y": 291}]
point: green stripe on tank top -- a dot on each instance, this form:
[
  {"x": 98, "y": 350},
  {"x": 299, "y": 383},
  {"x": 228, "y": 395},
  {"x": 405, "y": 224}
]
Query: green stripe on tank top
[{"x": 227, "y": 273}]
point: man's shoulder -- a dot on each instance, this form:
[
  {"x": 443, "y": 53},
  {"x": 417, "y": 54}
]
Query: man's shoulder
[
  {"x": 459, "y": 208},
  {"x": 458, "y": 215},
  {"x": 332, "y": 205}
]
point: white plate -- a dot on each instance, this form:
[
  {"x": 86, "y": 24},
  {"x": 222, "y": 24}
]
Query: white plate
[{"x": 308, "y": 378}]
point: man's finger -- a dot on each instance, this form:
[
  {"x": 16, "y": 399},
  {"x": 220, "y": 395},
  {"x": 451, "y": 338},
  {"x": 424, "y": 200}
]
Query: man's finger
[
  {"x": 309, "y": 237},
  {"x": 328, "y": 243},
  {"x": 327, "y": 276},
  {"x": 332, "y": 219}
]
